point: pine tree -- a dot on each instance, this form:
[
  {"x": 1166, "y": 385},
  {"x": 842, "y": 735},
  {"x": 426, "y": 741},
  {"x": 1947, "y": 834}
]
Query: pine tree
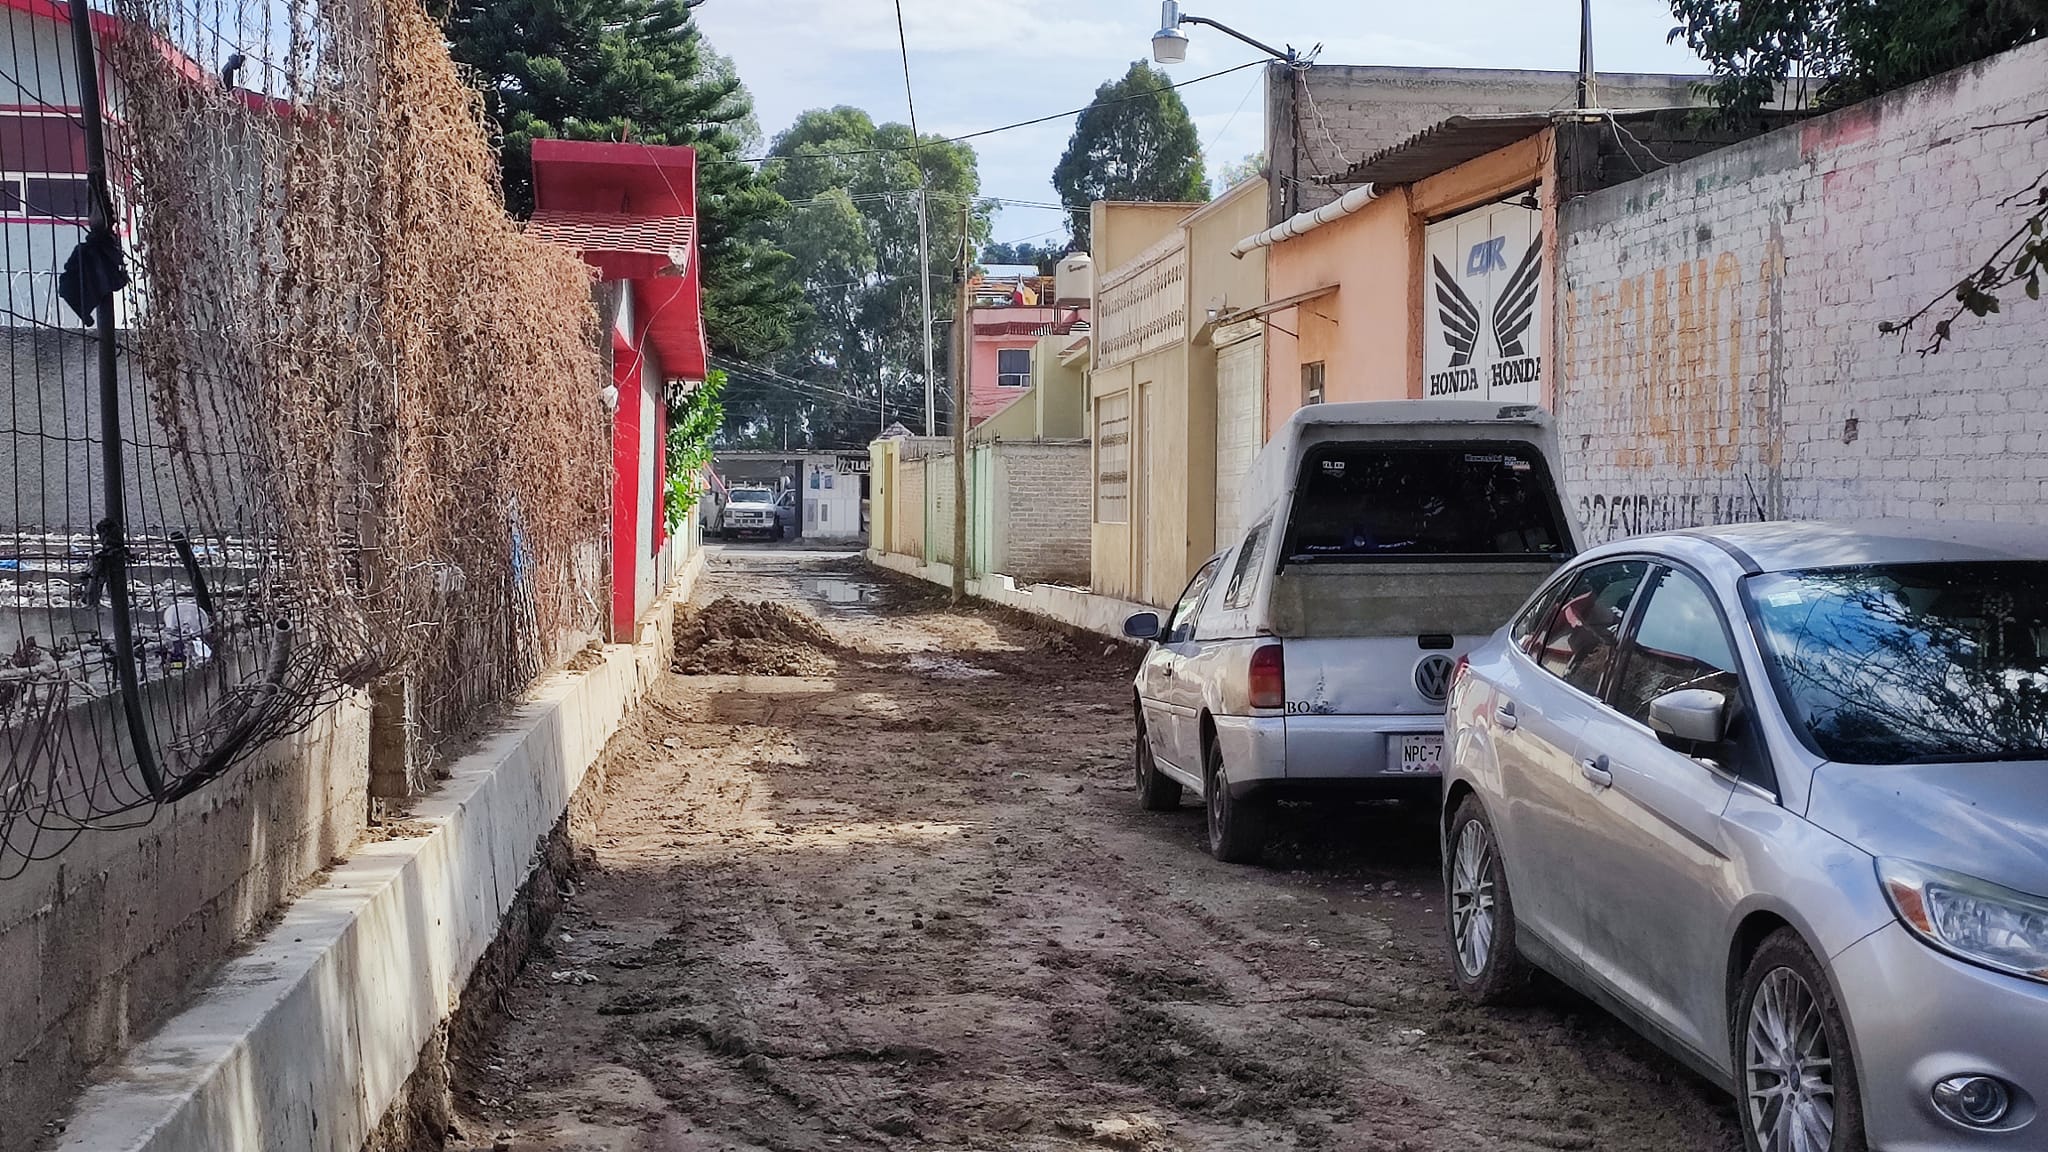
[
  {"x": 1135, "y": 142},
  {"x": 640, "y": 70}
]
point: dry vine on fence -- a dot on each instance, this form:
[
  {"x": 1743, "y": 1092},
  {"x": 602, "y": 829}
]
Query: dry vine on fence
[{"x": 368, "y": 402}]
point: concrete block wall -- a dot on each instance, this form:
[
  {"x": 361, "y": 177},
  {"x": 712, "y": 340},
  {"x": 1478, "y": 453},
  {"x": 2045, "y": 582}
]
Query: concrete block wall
[
  {"x": 1336, "y": 116},
  {"x": 50, "y": 457},
  {"x": 306, "y": 1039},
  {"x": 1718, "y": 344},
  {"x": 938, "y": 486},
  {"x": 908, "y": 526},
  {"x": 102, "y": 943},
  {"x": 1043, "y": 493}
]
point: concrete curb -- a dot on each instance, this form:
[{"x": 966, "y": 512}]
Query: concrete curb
[
  {"x": 304, "y": 1041},
  {"x": 1103, "y": 615}
]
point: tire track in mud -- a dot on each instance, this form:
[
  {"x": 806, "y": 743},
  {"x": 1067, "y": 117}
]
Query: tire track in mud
[{"x": 912, "y": 906}]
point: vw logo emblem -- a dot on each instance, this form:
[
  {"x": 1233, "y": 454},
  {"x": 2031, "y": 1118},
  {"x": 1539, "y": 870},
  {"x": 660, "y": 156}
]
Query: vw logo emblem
[{"x": 1433, "y": 677}]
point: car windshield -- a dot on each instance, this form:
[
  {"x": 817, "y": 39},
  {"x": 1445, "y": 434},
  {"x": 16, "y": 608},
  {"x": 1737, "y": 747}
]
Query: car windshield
[
  {"x": 752, "y": 496},
  {"x": 1910, "y": 663},
  {"x": 1362, "y": 501}
]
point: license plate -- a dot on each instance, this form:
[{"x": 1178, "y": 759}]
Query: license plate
[{"x": 1417, "y": 755}]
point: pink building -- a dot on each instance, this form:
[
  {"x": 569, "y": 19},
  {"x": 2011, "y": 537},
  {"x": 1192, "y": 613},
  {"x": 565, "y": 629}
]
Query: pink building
[{"x": 1010, "y": 315}]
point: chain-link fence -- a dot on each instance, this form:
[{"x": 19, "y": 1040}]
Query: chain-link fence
[{"x": 357, "y": 412}]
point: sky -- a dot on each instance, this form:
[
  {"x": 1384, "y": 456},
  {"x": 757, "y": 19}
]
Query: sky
[{"x": 977, "y": 64}]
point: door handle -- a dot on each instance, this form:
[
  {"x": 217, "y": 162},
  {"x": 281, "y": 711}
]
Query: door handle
[
  {"x": 1597, "y": 771},
  {"x": 1504, "y": 714}
]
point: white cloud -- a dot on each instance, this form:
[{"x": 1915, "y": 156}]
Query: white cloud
[
  {"x": 1008, "y": 26},
  {"x": 981, "y": 63}
]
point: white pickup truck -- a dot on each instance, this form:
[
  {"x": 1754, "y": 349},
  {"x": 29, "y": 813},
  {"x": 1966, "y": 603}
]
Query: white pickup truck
[
  {"x": 750, "y": 510},
  {"x": 1314, "y": 654}
]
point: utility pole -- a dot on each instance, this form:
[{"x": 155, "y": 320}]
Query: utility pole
[
  {"x": 963, "y": 371},
  {"x": 924, "y": 292},
  {"x": 1588, "y": 98}
]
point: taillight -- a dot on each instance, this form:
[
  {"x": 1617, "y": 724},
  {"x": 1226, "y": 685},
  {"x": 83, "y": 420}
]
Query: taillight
[{"x": 1268, "y": 678}]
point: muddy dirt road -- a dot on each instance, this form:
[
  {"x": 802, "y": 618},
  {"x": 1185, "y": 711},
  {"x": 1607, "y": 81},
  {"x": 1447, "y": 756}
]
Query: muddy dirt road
[{"x": 907, "y": 900}]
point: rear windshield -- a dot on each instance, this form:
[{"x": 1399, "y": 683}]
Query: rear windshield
[
  {"x": 1910, "y": 663},
  {"x": 1363, "y": 501}
]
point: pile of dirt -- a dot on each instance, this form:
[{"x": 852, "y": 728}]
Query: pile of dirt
[{"x": 735, "y": 637}]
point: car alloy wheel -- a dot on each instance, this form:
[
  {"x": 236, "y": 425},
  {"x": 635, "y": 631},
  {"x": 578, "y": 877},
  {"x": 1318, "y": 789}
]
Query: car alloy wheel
[
  {"x": 1472, "y": 899},
  {"x": 1789, "y": 1068}
]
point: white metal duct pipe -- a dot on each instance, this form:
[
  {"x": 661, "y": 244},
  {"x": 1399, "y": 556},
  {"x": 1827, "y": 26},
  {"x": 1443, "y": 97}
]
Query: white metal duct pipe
[{"x": 1305, "y": 222}]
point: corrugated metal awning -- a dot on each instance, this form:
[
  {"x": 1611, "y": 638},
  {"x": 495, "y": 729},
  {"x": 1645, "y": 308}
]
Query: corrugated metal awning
[
  {"x": 613, "y": 232},
  {"x": 1444, "y": 146}
]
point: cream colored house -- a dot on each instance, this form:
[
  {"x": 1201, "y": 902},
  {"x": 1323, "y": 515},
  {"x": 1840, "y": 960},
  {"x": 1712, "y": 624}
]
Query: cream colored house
[{"x": 1176, "y": 390}]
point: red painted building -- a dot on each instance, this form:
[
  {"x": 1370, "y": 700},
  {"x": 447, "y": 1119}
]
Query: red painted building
[{"x": 631, "y": 211}]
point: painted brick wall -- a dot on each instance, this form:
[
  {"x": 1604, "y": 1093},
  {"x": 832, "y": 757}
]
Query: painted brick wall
[
  {"x": 1045, "y": 490},
  {"x": 1719, "y": 357}
]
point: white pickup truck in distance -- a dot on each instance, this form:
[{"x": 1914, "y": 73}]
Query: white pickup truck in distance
[{"x": 750, "y": 510}]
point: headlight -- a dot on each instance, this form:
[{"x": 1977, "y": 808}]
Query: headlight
[{"x": 1973, "y": 919}]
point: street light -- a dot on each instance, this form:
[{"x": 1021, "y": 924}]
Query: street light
[{"x": 1170, "y": 44}]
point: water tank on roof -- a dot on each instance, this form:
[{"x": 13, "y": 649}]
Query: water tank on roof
[{"x": 1074, "y": 283}]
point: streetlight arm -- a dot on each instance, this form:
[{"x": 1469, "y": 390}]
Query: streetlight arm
[{"x": 1226, "y": 29}]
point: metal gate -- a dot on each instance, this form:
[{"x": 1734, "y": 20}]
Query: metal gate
[{"x": 1240, "y": 423}]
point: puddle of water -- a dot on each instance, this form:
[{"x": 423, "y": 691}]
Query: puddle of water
[
  {"x": 947, "y": 668},
  {"x": 852, "y": 595}
]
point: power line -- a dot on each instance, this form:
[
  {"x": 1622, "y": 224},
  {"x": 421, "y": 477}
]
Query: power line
[
  {"x": 1032, "y": 123},
  {"x": 1223, "y": 131},
  {"x": 903, "y": 44},
  {"x": 924, "y": 231},
  {"x": 807, "y": 389},
  {"x": 814, "y": 393}
]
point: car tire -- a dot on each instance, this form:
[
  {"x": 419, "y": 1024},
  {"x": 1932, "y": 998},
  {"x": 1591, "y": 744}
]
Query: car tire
[
  {"x": 1237, "y": 825},
  {"x": 1479, "y": 911},
  {"x": 1784, "y": 985},
  {"x": 1156, "y": 793}
]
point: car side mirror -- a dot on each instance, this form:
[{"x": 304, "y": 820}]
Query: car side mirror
[
  {"x": 1690, "y": 717},
  {"x": 1142, "y": 626}
]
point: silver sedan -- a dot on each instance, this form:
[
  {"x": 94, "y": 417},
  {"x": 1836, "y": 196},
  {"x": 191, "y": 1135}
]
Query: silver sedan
[{"x": 1777, "y": 795}]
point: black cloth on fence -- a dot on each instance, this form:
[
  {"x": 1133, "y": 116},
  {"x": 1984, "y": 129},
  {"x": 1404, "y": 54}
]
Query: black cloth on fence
[{"x": 95, "y": 271}]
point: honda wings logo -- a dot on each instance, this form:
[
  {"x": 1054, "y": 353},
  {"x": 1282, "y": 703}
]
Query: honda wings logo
[
  {"x": 1512, "y": 313},
  {"x": 1433, "y": 677},
  {"x": 1485, "y": 298}
]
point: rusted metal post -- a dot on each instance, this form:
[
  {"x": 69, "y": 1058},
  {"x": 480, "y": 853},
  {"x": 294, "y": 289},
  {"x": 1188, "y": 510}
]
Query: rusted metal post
[{"x": 113, "y": 525}]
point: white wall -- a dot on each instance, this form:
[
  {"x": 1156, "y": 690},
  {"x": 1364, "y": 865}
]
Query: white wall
[
  {"x": 649, "y": 576},
  {"x": 829, "y": 512}
]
